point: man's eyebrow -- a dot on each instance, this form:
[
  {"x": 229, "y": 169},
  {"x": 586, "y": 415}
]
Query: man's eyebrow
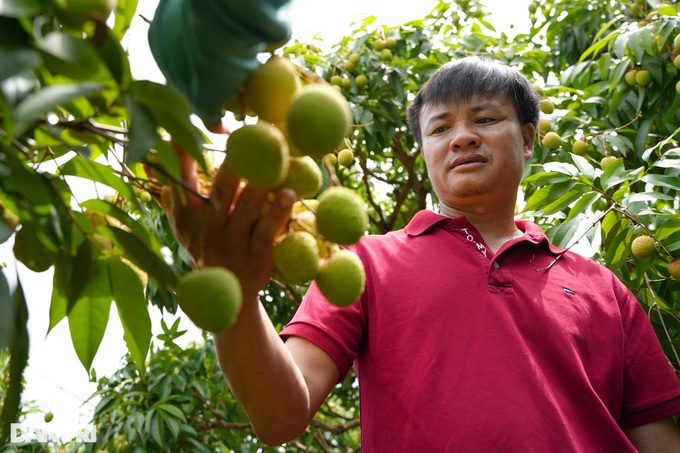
[
  {"x": 437, "y": 117},
  {"x": 475, "y": 108}
]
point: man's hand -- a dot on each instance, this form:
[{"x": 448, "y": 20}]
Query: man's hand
[{"x": 232, "y": 227}]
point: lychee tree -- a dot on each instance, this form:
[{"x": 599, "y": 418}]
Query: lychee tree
[{"x": 71, "y": 111}]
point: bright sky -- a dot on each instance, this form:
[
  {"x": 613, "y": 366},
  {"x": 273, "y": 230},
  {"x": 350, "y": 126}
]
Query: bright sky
[{"x": 55, "y": 378}]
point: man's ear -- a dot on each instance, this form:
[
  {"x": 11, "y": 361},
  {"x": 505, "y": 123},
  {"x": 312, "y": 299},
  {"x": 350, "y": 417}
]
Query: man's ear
[{"x": 528, "y": 136}]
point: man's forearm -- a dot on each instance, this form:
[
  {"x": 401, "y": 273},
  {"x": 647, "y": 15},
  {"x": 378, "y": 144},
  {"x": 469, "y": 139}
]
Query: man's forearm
[{"x": 264, "y": 377}]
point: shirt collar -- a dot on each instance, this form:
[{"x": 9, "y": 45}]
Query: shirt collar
[{"x": 426, "y": 219}]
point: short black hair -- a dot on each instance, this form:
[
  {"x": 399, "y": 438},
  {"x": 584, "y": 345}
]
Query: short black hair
[{"x": 462, "y": 79}]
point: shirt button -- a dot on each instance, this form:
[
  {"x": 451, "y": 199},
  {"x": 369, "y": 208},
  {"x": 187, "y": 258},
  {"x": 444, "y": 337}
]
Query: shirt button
[{"x": 496, "y": 265}]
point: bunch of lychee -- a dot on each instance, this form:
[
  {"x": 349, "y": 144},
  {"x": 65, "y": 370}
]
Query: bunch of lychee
[{"x": 297, "y": 126}]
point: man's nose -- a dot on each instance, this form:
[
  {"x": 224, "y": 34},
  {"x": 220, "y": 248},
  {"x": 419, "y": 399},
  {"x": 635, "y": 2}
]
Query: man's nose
[{"x": 463, "y": 136}]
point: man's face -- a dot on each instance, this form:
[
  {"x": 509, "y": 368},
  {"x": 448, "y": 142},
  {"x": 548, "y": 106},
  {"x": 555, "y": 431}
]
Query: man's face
[{"x": 475, "y": 151}]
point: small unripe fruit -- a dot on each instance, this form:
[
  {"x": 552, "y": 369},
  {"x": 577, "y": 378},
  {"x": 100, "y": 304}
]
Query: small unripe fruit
[
  {"x": 674, "y": 269},
  {"x": 538, "y": 88},
  {"x": 341, "y": 278},
  {"x": 547, "y": 106},
  {"x": 331, "y": 158},
  {"x": 544, "y": 126},
  {"x": 533, "y": 7},
  {"x": 378, "y": 44},
  {"x": 304, "y": 177},
  {"x": 49, "y": 416},
  {"x": 391, "y": 42},
  {"x": 606, "y": 162},
  {"x": 345, "y": 83},
  {"x": 318, "y": 120},
  {"x": 258, "y": 153},
  {"x": 643, "y": 247},
  {"x": 296, "y": 258},
  {"x": 630, "y": 77},
  {"x": 345, "y": 157},
  {"x": 643, "y": 77},
  {"x": 676, "y": 42},
  {"x": 354, "y": 57},
  {"x": 676, "y": 61},
  {"x": 386, "y": 54},
  {"x": 341, "y": 216},
  {"x": 336, "y": 80},
  {"x": 269, "y": 89},
  {"x": 551, "y": 140},
  {"x": 580, "y": 147},
  {"x": 635, "y": 10},
  {"x": 211, "y": 297},
  {"x": 361, "y": 80},
  {"x": 677, "y": 87}
]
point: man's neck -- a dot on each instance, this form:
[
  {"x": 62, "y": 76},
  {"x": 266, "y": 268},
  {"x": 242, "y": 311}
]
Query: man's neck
[{"x": 496, "y": 227}]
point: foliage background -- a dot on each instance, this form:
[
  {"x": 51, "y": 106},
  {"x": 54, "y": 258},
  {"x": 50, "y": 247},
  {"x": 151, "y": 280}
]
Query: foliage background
[{"x": 68, "y": 98}]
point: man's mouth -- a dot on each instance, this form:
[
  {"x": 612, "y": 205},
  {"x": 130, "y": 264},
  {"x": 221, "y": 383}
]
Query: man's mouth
[{"x": 468, "y": 161}]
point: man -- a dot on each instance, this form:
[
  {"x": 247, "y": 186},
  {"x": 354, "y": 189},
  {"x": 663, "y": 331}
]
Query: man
[{"x": 474, "y": 333}]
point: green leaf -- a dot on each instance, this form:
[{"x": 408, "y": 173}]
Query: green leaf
[
  {"x": 45, "y": 100},
  {"x": 564, "y": 200},
  {"x": 19, "y": 347},
  {"x": 128, "y": 295},
  {"x": 171, "y": 112},
  {"x": 89, "y": 316},
  {"x": 94, "y": 171},
  {"x": 173, "y": 410},
  {"x": 548, "y": 194},
  {"x": 562, "y": 233},
  {"x": 142, "y": 134},
  {"x": 618, "y": 250},
  {"x": 671, "y": 182},
  {"x": 109, "y": 209},
  {"x": 21, "y": 8},
  {"x": 584, "y": 203},
  {"x": 59, "y": 301},
  {"x": 7, "y": 312},
  {"x": 73, "y": 57},
  {"x": 141, "y": 255}
]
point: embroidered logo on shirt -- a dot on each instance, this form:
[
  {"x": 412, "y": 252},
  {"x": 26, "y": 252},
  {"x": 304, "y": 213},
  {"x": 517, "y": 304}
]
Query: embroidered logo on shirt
[
  {"x": 569, "y": 291},
  {"x": 471, "y": 238}
]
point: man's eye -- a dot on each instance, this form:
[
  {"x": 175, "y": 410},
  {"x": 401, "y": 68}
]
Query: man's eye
[
  {"x": 484, "y": 120},
  {"x": 440, "y": 129}
]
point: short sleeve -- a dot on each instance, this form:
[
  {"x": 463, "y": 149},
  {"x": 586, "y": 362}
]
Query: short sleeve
[
  {"x": 207, "y": 48},
  {"x": 338, "y": 331},
  {"x": 651, "y": 390}
]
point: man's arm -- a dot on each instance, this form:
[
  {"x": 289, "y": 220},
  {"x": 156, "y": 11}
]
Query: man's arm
[
  {"x": 280, "y": 386},
  {"x": 661, "y": 436}
]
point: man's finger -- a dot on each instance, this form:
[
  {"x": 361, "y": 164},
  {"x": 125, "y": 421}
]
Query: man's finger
[
  {"x": 248, "y": 208},
  {"x": 270, "y": 224},
  {"x": 224, "y": 189}
]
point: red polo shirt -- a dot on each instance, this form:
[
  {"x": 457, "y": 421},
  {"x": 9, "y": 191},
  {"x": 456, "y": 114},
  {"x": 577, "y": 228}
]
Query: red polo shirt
[{"x": 460, "y": 349}]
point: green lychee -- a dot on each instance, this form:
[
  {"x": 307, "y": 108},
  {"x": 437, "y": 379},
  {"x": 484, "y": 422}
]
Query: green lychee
[
  {"x": 551, "y": 140},
  {"x": 318, "y": 120},
  {"x": 547, "y": 106},
  {"x": 580, "y": 147},
  {"x": 345, "y": 157},
  {"x": 341, "y": 278},
  {"x": 674, "y": 269},
  {"x": 643, "y": 247},
  {"x": 341, "y": 216},
  {"x": 211, "y": 297},
  {"x": 304, "y": 177},
  {"x": 258, "y": 153},
  {"x": 269, "y": 89},
  {"x": 296, "y": 258}
]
